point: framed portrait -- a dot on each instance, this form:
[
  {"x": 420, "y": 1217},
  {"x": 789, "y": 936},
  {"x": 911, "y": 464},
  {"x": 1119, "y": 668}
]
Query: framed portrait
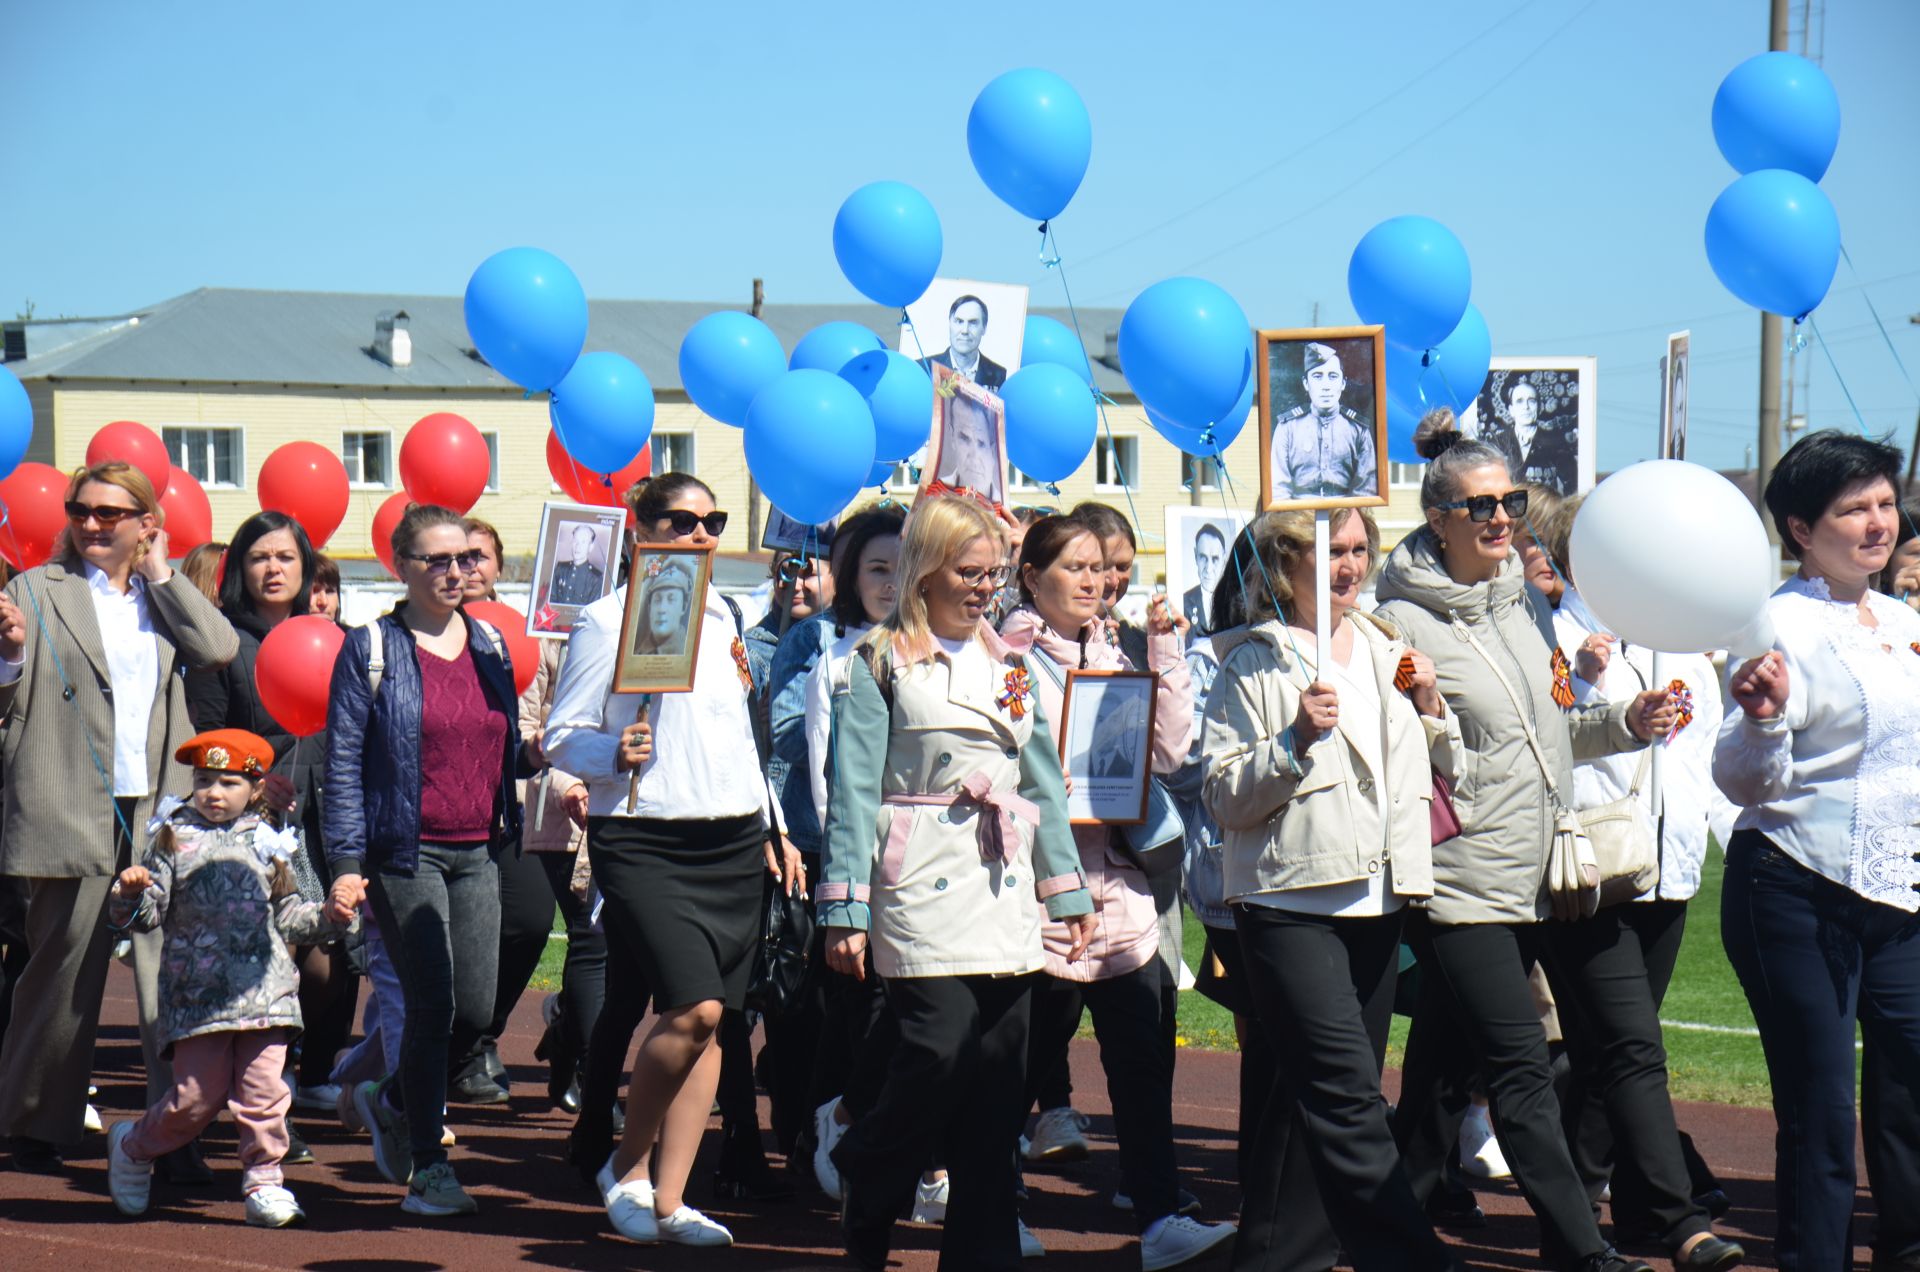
[
  {"x": 1198, "y": 540},
  {"x": 967, "y": 446},
  {"x": 574, "y": 565},
  {"x": 1107, "y": 746},
  {"x": 1542, "y": 414},
  {"x": 1323, "y": 417},
  {"x": 970, "y": 327},
  {"x": 660, "y": 630},
  {"x": 784, "y": 534},
  {"x": 1673, "y": 397}
]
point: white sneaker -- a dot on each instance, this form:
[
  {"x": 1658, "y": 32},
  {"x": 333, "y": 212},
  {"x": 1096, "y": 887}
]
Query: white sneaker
[
  {"x": 630, "y": 1209},
  {"x": 1030, "y": 1247},
  {"x": 1177, "y": 1239},
  {"x": 91, "y": 1119},
  {"x": 687, "y": 1226},
  {"x": 1480, "y": 1154},
  {"x": 323, "y": 1098},
  {"x": 272, "y": 1206},
  {"x": 1059, "y": 1136},
  {"x": 827, "y": 1132},
  {"x": 930, "y": 1201},
  {"x": 130, "y": 1183}
]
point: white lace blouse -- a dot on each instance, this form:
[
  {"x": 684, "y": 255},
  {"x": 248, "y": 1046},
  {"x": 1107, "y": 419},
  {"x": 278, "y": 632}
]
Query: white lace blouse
[{"x": 1834, "y": 780}]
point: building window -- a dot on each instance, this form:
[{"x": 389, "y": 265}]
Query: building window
[
  {"x": 1116, "y": 463},
  {"x": 1020, "y": 481},
  {"x": 368, "y": 457},
  {"x": 493, "y": 462},
  {"x": 1204, "y": 471},
  {"x": 213, "y": 455},
  {"x": 1406, "y": 476},
  {"x": 673, "y": 453},
  {"x": 902, "y": 478}
]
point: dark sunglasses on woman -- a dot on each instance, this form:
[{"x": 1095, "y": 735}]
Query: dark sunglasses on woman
[
  {"x": 105, "y": 514},
  {"x": 1480, "y": 507},
  {"x": 683, "y": 521},
  {"x": 440, "y": 562}
]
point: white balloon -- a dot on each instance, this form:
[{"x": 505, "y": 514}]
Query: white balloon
[{"x": 1671, "y": 556}]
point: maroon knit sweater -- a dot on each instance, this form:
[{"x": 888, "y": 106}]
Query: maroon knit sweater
[{"x": 462, "y": 735}]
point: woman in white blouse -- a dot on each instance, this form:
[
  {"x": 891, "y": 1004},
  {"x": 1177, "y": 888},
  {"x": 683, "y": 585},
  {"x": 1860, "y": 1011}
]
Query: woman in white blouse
[
  {"x": 1820, "y": 912},
  {"x": 678, "y": 853}
]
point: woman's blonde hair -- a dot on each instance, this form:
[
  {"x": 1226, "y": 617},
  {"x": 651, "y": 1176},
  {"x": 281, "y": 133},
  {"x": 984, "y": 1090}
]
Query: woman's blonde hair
[
  {"x": 939, "y": 530},
  {"x": 113, "y": 472},
  {"x": 1284, "y": 540},
  {"x": 202, "y": 568},
  {"x": 1550, "y": 515}
]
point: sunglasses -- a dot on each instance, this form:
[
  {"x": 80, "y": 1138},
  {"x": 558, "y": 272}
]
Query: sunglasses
[
  {"x": 683, "y": 521},
  {"x": 974, "y": 575},
  {"x": 105, "y": 514},
  {"x": 1480, "y": 507},
  {"x": 440, "y": 562}
]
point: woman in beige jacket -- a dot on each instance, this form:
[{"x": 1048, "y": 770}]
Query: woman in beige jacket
[{"x": 1320, "y": 779}]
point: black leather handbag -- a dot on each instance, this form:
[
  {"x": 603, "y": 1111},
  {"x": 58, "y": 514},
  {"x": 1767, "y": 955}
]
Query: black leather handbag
[{"x": 782, "y": 965}]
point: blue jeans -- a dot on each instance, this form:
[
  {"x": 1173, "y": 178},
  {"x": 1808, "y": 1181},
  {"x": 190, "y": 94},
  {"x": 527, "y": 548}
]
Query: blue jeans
[{"x": 1814, "y": 957}]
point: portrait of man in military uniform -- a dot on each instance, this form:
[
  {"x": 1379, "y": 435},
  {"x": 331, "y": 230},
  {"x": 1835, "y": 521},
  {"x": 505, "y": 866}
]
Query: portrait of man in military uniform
[
  {"x": 1323, "y": 443},
  {"x": 573, "y": 565},
  {"x": 578, "y": 580}
]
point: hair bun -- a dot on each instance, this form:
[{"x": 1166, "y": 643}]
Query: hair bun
[{"x": 1437, "y": 433}]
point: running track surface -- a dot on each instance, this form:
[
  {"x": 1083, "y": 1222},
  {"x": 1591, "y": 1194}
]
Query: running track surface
[{"x": 535, "y": 1211}]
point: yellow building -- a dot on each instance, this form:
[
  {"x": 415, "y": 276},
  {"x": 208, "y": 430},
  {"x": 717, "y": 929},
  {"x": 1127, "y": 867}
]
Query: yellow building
[{"x": 226, "y": 376}]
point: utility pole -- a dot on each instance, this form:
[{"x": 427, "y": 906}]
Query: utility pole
[
  {"x": 753, "y": 487},
  {"x": 1771, "y": 336},
  {"x": 1913, "y": 452}
]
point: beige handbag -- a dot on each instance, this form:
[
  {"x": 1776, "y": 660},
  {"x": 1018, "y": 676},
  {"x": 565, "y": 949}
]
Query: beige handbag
[{"x": 1625, "y": 847}]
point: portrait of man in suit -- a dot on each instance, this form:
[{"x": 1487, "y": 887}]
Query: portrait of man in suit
[
  {"x": 1209, "y": 555},
  {"x": 1117, "y": 742},
  {"x": 966, "y": 327},
  {"x": 577, "y": 580}
]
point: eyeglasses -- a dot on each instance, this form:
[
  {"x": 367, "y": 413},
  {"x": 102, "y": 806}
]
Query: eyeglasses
[
  {"x": 1480, "y": 507},
  {"x": 973, "y": 575},
  {"x": 440, "y": 562},
  {"x": 683, "y": 521},
  {"x": 105, "y": 514},
  {"x": 794, "y": 568}
]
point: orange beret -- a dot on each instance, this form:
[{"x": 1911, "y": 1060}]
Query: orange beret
[{"x": 227, "y": 751}]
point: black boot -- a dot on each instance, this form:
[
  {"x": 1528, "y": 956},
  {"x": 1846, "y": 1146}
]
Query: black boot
[
  {"x": 35, "y": 1156},
  {"x": 563, "y": 1084},
  {"x": 743, "y": 1174},
  {"x": 868, "y": 1233},
  {"x": 186, "y": 1167}
]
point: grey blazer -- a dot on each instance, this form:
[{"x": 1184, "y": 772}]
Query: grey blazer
[{"x": 57, "y": 811}]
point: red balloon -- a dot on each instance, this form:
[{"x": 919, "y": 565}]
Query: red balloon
[
  {"x": 294, "y": 671},
  {"x": 590, "y": 487},
  {"x": 444, "y": 460},
  {"x": 522, "y": 648},
  {"x": 308, "y": 482},
  {"x": 135, "y": 444},
  {"x": 385, "y": 518},
  {"x": 33, "y": 499},
  {"x": 189, "y": 515}
]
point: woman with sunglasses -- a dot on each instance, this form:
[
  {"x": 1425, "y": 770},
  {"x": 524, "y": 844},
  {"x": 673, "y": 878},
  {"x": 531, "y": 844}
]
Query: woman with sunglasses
[
  {"x": 678, "y": 830},
  {"x": 89, "y": 644},
  {"x": 423, "y": 748},
  {"x": 947, "y": 819},
  {"x": 1455, "y": 590}
]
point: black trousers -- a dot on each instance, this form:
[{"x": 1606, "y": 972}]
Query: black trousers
[
  {"x": 1814, "y": 957},
  {"x": 856, "y": 1039},
  {"x": 1474, "y": 981},
  {"x": 1323, "y": 1159},
  {"x": 1137, "y": 1053},
  {"x": 1610, "y": 1017},
  {"x": 958, "y": 1080},
  {"x": 1890, "y": 1114}
]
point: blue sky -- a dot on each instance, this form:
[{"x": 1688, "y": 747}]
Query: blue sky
[{"x": 678, "y": 151}]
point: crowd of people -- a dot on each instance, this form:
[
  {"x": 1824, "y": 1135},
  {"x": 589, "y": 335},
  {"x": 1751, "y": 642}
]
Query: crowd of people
[{"x": 1405, "y": 819}]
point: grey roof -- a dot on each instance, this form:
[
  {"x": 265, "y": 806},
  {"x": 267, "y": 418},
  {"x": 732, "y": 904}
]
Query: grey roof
[{"x": 220, "y": 335}]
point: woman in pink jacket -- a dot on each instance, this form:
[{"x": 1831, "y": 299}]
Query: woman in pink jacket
[{"x": 1120, "y": 979}]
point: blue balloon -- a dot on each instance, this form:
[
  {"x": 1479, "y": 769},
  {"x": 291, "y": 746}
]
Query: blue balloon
[
  {"x": 1403, "y": 416},
  {"x": 831, "y": 346},
  {"x": 603, "y": 411},
  {"x": 900, "y": 395},
  {"x": 1051, "y": 421},
  {"x": 1774, "y": 240},
  {"x": 810, "y": 444},
  {"x": 1050, "y": 341},
  {"x": 16, "y": 421},
  {"x": 1030, "y": 139},
  {"x": 1450, "y": 374},
  {"x": 887, "y": 240},
  {"x": 1187, "y": 350},
  {"x": 527, "y": 316},
  {"x": 725, "y": 359},
  {"x": 1777, "y": 110},
  {"x": 1207, "y": 443},
  {"x": 1410, "y": 274},
  {"x": 882, "y": 472}
]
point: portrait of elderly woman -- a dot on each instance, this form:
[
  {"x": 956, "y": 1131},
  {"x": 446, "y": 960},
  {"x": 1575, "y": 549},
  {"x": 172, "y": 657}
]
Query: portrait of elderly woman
[
  {"x": 666, "y": 600},
  {"x": 1539, "y": 414}
]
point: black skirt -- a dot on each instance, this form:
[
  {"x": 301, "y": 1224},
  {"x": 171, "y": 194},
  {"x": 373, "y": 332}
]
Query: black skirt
[{"x": 684, "y": 897}]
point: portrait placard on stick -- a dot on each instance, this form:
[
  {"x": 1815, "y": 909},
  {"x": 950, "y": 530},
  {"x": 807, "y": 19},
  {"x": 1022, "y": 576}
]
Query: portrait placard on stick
[
  {"x": 660, "y": 629},
  {"x": 1323, "y": 417}
]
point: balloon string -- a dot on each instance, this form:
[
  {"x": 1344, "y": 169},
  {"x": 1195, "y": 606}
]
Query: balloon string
[
  {"x": 1050, "y": 256},
  {"x": 1883, "y": 326},
  {"x": 1858, "y": 418}
]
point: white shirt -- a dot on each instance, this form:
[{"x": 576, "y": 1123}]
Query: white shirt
[
  {"x": 704, "y": 762},
  {"x": 133, "y": 669},
  {"x": 1695, "y": 808},
  {"x": 827, "y": 677},
  {"x": 1834, "y": 780}
]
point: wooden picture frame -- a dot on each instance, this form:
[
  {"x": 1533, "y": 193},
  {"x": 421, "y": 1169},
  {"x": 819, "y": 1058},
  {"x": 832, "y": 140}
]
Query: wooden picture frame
[
  {"x": 1106, "y": 745},
  {"x": 661, "y": 658},
  {"x": 562, "y": 588},
  {"x": 1316, "y": 453}
]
